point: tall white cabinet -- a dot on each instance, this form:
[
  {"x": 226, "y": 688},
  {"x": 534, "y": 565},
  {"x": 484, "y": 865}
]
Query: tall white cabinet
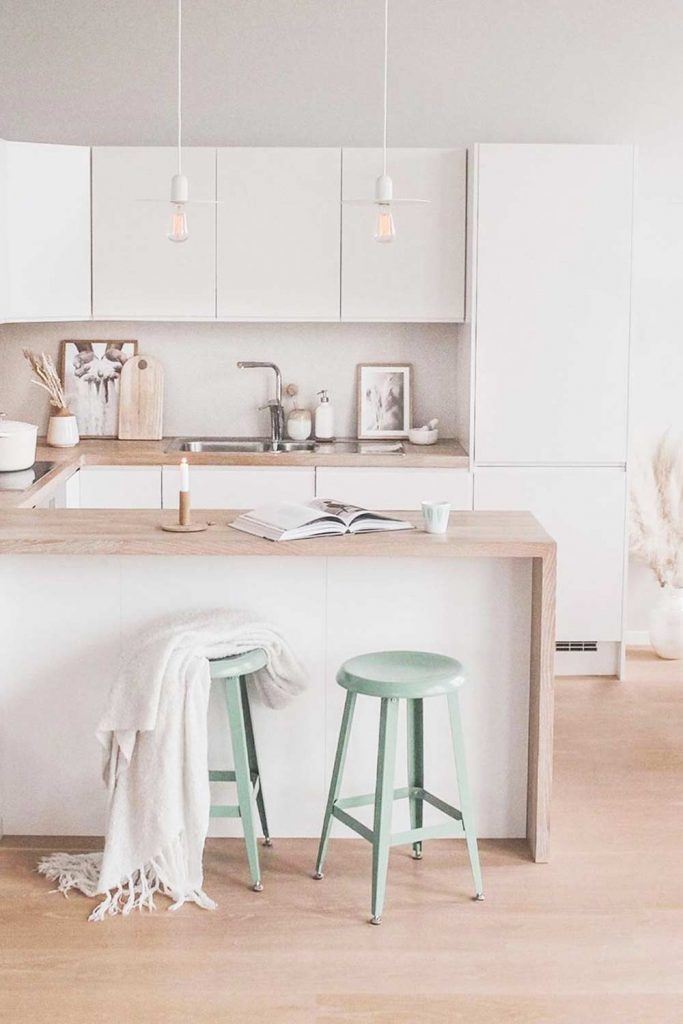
[
  {"x": 137, "y": 272},
  {"x": 45, "y": 247},
  {"x": 551, "y": 315}
]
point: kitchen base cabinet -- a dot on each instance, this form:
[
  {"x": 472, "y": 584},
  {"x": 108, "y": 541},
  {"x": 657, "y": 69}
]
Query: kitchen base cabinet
[
  {"x": 240, "y": 487},
  {"x": 584, "y": 510},
  {"x": 387, "y": 489},
  {"x": 120, "y": 487}
]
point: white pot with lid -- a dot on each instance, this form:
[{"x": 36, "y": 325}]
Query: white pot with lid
[{"x": 17, "y": 445}]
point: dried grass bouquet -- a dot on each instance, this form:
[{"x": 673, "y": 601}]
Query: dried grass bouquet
[
  {"x": 47, "y": 377},
  {"x": 656, "y": 506}
]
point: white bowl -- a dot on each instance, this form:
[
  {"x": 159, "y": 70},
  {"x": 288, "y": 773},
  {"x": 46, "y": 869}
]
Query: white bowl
[{"x": 417, "y": 436}]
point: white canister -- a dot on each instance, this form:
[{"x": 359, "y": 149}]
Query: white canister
[
  {"x": 299, "y": 424},
  {"x": 17, "y": 445},
  {"x": 62, "y": 430}
]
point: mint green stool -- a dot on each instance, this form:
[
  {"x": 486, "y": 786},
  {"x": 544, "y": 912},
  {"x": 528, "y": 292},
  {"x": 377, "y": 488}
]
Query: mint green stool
[
  {"x": 392, "y": 676},
  {"x": 246, "y": 772}
]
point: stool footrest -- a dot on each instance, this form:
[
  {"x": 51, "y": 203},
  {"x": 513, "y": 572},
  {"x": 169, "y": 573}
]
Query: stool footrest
[
  {"x": 224, "y": 811},
  {"x": 413, "y": 835},
  {"x": 230, "y": 810},
  {"x": 353, "y": 823}
]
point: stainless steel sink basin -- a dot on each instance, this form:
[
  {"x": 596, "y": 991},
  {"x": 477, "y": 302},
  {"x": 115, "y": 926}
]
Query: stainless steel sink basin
[{"x": 213, "y": 445}]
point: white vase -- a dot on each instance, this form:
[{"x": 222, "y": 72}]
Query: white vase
[
  {"x": 62, "y": 430},
  {"x": 666, "y": 623}
]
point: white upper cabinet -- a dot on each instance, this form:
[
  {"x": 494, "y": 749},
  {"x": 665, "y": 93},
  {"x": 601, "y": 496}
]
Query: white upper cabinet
[
  {"x": 420, "y": 276},
  {"x": 278, "y": 234},
  {"x": 137, "y": 272},
  {"x": 553, "y": 277},
  {"x": 45, "y": 257}
]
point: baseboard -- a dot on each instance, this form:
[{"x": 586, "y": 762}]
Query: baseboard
[{"x": 637, "y": 638}]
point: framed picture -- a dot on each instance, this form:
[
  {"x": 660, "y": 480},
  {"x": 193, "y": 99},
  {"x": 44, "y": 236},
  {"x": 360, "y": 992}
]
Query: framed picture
[
  {"x": 91, "y": 372},
  {"x": 384, "y": 400}
]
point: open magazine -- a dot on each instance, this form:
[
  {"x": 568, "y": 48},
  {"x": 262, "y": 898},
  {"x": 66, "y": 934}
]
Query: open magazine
[{"x": 319, "y": 518}]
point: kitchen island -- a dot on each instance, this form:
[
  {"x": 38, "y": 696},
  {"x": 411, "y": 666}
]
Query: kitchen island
[{"x": 76, "y": 586}]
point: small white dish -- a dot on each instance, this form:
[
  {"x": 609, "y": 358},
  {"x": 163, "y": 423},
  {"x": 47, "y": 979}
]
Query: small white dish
[{"x": 418, "y": 435}]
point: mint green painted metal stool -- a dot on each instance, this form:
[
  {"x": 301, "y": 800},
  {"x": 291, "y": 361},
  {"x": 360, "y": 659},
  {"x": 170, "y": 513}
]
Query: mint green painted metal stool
[
  {"x": 246, "y": 771},
  {"x": 392, "y": 676}
]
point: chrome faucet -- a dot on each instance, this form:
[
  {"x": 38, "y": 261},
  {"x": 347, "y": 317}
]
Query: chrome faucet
[{"x": 277, "y": 413}]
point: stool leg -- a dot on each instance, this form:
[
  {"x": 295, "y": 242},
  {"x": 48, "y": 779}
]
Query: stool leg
[
  {"x": 253, "y": 760},
  {"x": 245, "y": 795},
  {"x": 335, "y": 781},
  {"x": 415, "y": 764},
  {"x": 384, "y": 802},
  {"x": 466, "y": 805}
]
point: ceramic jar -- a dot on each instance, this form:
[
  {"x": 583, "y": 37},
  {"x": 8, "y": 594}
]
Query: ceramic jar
[
  {"x": 62, "y": 430},
  {"x": 299, "y": 424},
  {"x": 666, "y": 623}
]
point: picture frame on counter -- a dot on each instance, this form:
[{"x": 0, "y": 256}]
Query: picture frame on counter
[
  {"x": 385, "y": 396},
  {"x": 91, "y": 373}
]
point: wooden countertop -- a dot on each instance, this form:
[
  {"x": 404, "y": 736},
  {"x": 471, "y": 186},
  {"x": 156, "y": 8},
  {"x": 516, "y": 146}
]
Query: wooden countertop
[
  {"x": 446, "y": 454},
  {"x": 137, "y": 532}
]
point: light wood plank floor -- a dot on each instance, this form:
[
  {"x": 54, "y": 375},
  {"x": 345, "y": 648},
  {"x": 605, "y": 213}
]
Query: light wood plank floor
[{"x": 594, "y": 936}]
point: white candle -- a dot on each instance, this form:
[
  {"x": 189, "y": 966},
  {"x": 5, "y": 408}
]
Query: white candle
[{"x": 184, "y": 476}]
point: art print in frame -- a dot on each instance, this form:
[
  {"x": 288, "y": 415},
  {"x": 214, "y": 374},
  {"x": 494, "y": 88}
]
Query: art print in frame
[
  {"x": 91, "y": 372},
  {"x": 384, "y": 400}
]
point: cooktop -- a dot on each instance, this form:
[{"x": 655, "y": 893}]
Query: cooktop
[{"x": 22, "y": 479}]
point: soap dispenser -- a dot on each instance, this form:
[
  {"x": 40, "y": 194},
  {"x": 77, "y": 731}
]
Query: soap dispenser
[{"x": 324, "y": 418}]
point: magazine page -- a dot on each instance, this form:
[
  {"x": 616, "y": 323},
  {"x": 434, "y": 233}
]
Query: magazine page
[
  {"x": 343, "y": 510},
  {"x": 286, "y": 515}
]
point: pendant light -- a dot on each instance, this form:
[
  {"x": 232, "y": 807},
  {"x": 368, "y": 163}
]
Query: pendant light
[
  {"x": 180, "y": 189},
  {"x": 385, "y": 230}
]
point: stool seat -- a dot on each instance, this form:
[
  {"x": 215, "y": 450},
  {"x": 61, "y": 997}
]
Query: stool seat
[
  {"x": 403, "y": 674},
  {"x": 238, "y": 664}
]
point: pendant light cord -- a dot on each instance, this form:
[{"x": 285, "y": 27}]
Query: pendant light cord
[
  {"x": 386, "y": 77},
  {"x": 180, "y": 82}
]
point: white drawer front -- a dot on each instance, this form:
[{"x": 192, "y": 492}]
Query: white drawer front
[
  {"x": 236, "y": 487},
  {"x": 120, "y": 487},
  {"x": 395, "y": 488}
]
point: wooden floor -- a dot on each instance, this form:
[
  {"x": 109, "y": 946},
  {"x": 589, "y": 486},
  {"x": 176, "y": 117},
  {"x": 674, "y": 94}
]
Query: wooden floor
[{"x": 594, "y": 936}]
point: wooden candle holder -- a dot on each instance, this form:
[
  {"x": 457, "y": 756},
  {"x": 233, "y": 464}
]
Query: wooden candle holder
[{"x": 184, "y": 524}]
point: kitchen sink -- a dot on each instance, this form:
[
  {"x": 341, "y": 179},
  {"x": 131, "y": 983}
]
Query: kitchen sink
[{"x": 216, "y": 445}]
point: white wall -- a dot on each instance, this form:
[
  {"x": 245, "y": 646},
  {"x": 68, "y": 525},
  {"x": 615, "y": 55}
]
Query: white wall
[{"x": 307, "y": 72}]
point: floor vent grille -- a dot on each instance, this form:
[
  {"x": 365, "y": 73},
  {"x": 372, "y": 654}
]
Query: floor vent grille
[{"x": 577, "y": 646}]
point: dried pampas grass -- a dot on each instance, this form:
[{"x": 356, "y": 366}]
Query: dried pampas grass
[
  {"x": 656, "y": 510},
  {"x": 47, "y": 377}
]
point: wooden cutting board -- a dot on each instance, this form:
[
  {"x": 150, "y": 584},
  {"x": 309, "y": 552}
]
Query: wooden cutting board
[{"x": 141, "y": 399}]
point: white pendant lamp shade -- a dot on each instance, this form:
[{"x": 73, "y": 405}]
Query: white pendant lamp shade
[{"x": 385, "y": 230}]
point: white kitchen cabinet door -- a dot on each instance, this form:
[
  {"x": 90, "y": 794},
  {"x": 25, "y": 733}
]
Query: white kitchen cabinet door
[
  {"x": 137, "y": 271},
  {"x": 584, "y": 510},
  {"x": 420, "y": 276},
  {"x": 553, "y": 279},
  {"x": 278, "y": 234},
  {"x": 240, "y": 487},
  {"x": 387, "y": 489},
  {"x": 46, "y": 232},
  {"x": 120, "y": 487}
]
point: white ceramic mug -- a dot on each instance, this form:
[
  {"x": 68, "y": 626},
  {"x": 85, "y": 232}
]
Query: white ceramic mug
[{"x": 435, "y": 515}]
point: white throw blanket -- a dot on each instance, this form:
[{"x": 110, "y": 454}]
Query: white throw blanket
[{"x": 154, "y": 733}]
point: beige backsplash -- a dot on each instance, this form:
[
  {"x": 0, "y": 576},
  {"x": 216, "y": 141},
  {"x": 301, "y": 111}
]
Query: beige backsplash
[{"x": 207, "y": 394}]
